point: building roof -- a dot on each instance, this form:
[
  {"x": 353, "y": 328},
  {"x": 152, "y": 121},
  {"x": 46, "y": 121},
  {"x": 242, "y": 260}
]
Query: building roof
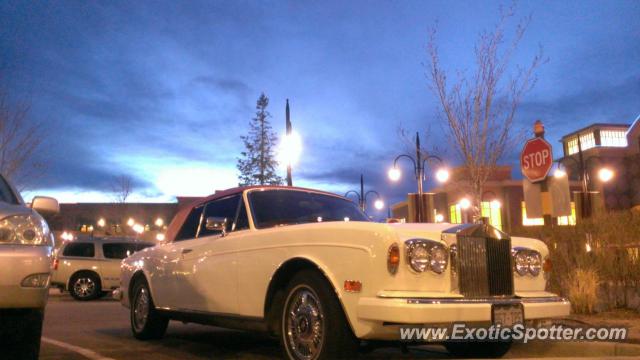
[{"x": 594, "y": 126}]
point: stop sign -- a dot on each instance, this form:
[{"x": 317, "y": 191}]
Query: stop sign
[{"x": 536, "y": 159}]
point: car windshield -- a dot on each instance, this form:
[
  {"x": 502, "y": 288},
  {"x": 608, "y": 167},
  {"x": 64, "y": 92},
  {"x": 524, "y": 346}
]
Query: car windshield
[{"x": 287, "y": 207}]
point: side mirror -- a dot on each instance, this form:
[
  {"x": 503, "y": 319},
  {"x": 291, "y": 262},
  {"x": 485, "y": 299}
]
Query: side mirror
[
  {"x": 215, "y": 223},
  {"x": 45, "y": 205}
]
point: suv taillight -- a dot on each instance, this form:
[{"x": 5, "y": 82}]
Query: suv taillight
[{"x": 55, "y": 264}]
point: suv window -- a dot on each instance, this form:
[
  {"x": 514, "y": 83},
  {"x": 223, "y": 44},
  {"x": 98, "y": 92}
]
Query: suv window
[
  {"x": 190, "y": 226},
  {"x": 226, "y": 208},
  {"x": 6, "y": 194},
  {"x": 121, "y": 250},
  {"x": 79, "y": 250}
]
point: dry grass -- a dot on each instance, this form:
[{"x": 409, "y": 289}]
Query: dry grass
[
  {"x": 612, "y": 255},
  {"x": 582, "y": 286}
]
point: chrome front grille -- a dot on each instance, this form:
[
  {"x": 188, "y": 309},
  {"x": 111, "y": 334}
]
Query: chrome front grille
[{"x": 484, "y": 266}]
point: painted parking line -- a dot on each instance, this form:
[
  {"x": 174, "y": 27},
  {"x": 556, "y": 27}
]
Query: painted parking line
[{"x": 89, "y": 354}]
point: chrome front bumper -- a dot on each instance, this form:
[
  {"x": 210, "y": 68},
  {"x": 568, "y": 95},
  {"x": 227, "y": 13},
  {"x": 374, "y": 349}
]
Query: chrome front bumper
[{"x": 450, "y": 310}]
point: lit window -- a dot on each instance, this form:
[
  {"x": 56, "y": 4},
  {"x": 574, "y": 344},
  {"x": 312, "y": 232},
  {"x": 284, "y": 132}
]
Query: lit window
[
  {"x": 572, "y": 146},
  {"x": 587, "y": 141},
  {"x": 568, "y": 220},
  {"x": 455, "y": 214},
  {"x": 492, "y": 211},
  {"x": 615, "y": 138},
  {"x": 530, "y": 222}
]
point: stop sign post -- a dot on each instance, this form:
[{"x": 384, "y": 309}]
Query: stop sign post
[{"x": 536, "y": 159}]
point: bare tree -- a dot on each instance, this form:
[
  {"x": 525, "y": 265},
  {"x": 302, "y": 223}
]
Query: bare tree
[
  {"x": 121, "y": 188},
  {"x": 20, "y": 139},
  {"x": 479, "y": 107}
]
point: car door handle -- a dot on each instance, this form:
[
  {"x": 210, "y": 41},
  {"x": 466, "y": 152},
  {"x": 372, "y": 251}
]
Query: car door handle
[{"x": 186, "y": 251}]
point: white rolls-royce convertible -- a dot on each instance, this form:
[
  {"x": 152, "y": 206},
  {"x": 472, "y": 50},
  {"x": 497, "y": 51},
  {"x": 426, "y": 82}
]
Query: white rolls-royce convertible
[{"x": 311, "y": 268}]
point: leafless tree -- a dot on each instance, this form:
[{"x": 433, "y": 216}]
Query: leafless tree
[
  {"x": 121, "y": 188},
  {"x": 479, "y": 107},
  {"x": 20, "y": 139}
]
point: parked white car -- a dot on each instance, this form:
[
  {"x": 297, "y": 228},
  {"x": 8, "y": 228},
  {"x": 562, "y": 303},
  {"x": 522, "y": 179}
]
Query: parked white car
[
  {"x": 90, "y": 267},
  {"x": 310, "y": 267},
  {"x": 26, "y": 247}
]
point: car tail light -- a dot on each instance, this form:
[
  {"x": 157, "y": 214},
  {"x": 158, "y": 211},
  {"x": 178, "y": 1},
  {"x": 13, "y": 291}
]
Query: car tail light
[
  {"x": 55, "y": 264},
  {"x": 393, "y": 259}
]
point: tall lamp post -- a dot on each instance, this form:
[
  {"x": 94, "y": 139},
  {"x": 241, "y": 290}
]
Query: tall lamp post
[
  {"x": 362, "y": 196},
  {"x": 419, "y": 164},
  {"x": 290, "y": 146},
  {"x": 288, "y": 132}
]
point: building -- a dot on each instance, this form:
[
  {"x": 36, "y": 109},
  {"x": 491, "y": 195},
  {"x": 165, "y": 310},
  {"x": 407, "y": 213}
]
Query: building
[
  {"x": 601, "y": 159},
  {"x": 605, "y": 158},
  {"x": 144, "y": 220},
  {"x": 502, "y": 202}
]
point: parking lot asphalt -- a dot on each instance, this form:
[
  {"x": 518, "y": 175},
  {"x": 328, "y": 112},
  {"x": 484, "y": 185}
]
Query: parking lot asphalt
[{"x": 99, "y": 330}]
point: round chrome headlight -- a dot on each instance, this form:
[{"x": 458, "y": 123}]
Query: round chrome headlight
[
  {"x": 521, "y": 262},
  {"x": 527, "y": 261},
  {"x": 423, "y": 255},
  {"x": 535, "y": 263},
  {"x": 439, "y": 258}
]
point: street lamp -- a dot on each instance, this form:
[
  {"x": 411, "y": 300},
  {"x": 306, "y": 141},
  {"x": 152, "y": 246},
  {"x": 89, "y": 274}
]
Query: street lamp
[
  {"x": 101, "y": 222},
  {"x": 419, "y": 163},
  {"x": 290, "y": 147},
  {"x": 605, "y": 174},
  {"x": 362, "y": 196},
  {"x": 464, "y": 203}
]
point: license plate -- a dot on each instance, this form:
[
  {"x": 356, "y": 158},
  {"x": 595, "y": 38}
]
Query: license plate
[{"x": 507, "y": 315}]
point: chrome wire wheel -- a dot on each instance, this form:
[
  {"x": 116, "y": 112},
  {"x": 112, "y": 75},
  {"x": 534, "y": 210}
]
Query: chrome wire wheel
[
  {"x": 84, "y": 287},
  {"x": 304, "y": 323},
  {"x": 141, "y": 309}
]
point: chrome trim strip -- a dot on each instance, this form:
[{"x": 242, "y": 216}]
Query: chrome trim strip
[{"x": 494, "y": 300}]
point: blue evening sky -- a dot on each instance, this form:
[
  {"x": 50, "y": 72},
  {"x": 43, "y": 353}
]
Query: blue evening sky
[{"x": 163, "y": 90}]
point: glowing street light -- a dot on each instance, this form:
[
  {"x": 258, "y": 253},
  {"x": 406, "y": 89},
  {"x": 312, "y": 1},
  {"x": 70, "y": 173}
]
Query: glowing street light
[
  {"x": 138, "y": 228},
  {"x": 464, "y": 203},
  {"x": 439, "y": 218},
  {"x": 131, "y": 222},
  {"x": 559, "y": 173},
  {"x": 378, "y": 204},
  {"x": 159, "y": 222},
  {"x": 290, "y": 149},
  {"x": 101, "y": 222},
  {"x": 160, "y": 237},
  {"x": 605, "y": 174},
  {"x": 394, "y": 174},
  {"x": 442, "y": 175}
]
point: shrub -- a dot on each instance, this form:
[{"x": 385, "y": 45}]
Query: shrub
[
  {"x": 582, "y": 286},
  {"x": 608, "y": 244}
]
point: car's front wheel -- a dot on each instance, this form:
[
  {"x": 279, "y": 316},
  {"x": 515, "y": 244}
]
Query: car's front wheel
[
  {"x": 313, "y": 325},
  {"x": 146, "y": 322},
  {"x": 478, "y": 349},
  {"x": 85, "y": 286}
]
